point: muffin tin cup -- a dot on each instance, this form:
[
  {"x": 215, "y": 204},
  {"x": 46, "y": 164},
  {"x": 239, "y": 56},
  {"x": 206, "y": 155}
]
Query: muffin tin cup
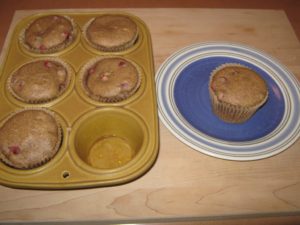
[
  {"x": 108, "y": 139},
  {"x": 103, "y": 143}
]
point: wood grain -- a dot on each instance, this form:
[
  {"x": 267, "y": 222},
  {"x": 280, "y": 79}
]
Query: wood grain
[
  {"x": 185, "y": 184},
  {"x": 7, "y": 7}
]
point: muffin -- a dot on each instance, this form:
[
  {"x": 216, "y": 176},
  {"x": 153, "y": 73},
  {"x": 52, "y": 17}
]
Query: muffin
[
  {"x": 39, "y": 81},
  {"x": 110, "y": 79},
  {"x": 29, "y": 138},
  {"x": 236, "y": 92},
  {"x": 49, "y": 34},
  {"x": 111, "y": 32}
]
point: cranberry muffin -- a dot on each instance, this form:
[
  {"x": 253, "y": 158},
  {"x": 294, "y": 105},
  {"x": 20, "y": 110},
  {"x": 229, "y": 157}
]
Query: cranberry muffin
[
  {"x": 40, "y": 81},
  {"x": 111, "y": 32},
  {"x": 49, "y": 34},
  {"x": 29, "y": 138},
  {"x": 110, "y": 79},
  {"x": 236, "y": 92}
]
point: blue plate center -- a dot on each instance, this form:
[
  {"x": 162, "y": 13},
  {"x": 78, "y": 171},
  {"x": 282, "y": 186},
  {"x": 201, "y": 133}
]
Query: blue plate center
[{"x": 192, "y": 100}]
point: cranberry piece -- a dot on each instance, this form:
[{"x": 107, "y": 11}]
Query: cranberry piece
[
  {"x": 47, "y": 64},
  {"x": 67, "y": 35},
  {"x": 20, "y": 84},
  {"x": 124, "y": 85},
  {"x": 213, "y": 86},
  {"x": 14, "y": 149},
  {"x": 91, "y": 70},
  {"x": 122, "y": 64},
  {"x": 42, "y": 48},
  {"x": 61, "y": 87}
]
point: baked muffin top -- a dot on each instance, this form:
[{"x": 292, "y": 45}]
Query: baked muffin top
[
  {"x": 238, "y": 85},
  {"x": 112, "y": 32},
  {"x": 111, "y": 77},
  {"x": 40, "y": 80},
  {"x": 49, "y": 32},
  {"x": 29, "y": 138}
]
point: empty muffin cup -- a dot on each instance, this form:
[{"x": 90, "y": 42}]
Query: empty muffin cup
[{"x": 108, "y": 138}]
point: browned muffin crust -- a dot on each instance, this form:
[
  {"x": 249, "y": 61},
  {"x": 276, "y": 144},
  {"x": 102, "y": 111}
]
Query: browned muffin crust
[
  {"x": 236, "y": 92},
  {"x": 49, "y": 34},
  {"x": 39, "y": 81},
  {"x": 112, "y": 32},
  {"x": 29, "y": 138},
  {"x": 111, "y": 79},
  {"x": 239, "y": 86}
]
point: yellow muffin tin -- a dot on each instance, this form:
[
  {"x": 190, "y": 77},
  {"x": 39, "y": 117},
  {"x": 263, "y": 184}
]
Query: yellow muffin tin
[{"x": 103, "y": 143}]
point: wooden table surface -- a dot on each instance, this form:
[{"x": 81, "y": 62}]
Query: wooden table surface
[
  {"x": 8, "y": 7},
  {"x": 183, "y": 185}
]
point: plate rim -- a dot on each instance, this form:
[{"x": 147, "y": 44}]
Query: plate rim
[{"x": 221, "y": 153}]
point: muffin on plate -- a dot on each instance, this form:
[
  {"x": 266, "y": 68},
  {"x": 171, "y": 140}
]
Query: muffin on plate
[
  {"x": 49, "y": 34},
  {"x": 39, "y": 81},
  {"x": 111, "y": 32},
  {"x": 110, "y": 79},
  {"x": 29, "y": 138},
  {"x": 236, "y": 92}
]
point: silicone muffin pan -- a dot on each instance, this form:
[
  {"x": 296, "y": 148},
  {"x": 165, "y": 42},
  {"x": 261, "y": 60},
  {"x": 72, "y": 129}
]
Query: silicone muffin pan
[{"x": 103, "y": 144}]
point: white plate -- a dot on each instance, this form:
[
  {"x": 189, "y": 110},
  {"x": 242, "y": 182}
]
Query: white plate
[{"x": 184, "y": 105}]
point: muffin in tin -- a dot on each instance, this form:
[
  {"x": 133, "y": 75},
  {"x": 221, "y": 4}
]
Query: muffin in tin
[
  {"x": 110, "y": 79},
  {"x": 111, "y": 32},
  {"x": 29, "y": 138},
  {"x": 236, "y": 92},
  {"x": 40, "y": 81},
  {"x": 49, "y": 34}
]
